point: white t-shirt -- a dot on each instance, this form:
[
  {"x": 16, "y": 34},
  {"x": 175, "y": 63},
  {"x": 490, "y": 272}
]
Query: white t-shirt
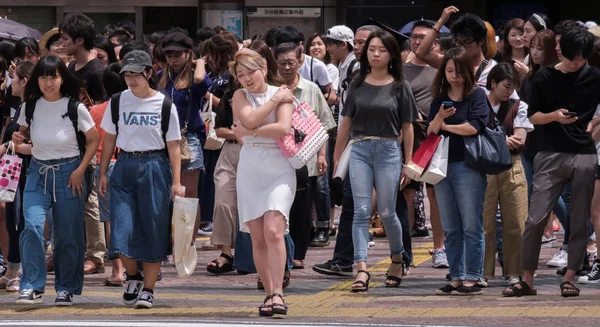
[
  {"x": 320, "y": 75},
  {"x": 521, "y": 120},
  {"x": 52, "y": 133},
  {"x": 140, "y": 123},
  {"x": 334, "y": 74}
]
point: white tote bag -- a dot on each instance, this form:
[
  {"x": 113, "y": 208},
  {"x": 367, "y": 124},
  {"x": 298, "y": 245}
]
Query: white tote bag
[
  {"x": 212, "y": 141},
  {"x": 344, "y": 164},
  {"x": 438, "y": 166},
  {"x": 184, "y": 217}
]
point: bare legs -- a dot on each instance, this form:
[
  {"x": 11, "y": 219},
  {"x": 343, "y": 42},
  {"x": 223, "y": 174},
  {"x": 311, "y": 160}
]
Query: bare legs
[{"x": 268, "y": 250}]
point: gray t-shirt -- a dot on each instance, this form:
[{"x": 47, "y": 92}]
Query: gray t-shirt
[
  {"x": 380, "y": 110},
  {"x": 420, "y": 79}
]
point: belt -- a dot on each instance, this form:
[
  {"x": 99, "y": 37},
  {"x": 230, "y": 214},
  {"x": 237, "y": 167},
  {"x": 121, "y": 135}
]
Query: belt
[
  {"x": 262, "y": 145},
  {"x": 376, "y": 138},
  {"x": 232, "y": 141},
  {"x": 44, "y": 169},
  {"x": 138, "y": 153}
]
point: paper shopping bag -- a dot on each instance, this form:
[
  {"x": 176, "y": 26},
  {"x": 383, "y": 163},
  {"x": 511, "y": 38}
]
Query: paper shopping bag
[
  {"x": 438, "y": 166},
  {"x": 422, "y": 157},
  {"x": 10, "y": 172},
  {"x": 184, "y": 217}
]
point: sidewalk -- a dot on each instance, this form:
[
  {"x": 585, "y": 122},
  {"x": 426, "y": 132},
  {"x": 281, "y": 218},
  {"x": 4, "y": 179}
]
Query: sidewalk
[{"x": 315, "y": 298}]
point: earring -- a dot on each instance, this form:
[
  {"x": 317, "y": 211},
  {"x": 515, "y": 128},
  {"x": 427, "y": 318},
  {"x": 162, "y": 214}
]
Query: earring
[{"x": 390, "y": 64}]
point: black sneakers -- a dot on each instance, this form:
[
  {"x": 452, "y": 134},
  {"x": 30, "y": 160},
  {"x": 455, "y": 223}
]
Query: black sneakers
[
  {"x": 593, "y": 277},
  {"x": 321, "y": 238},
  {"x": 63, "y": 299},
  {"x": 134, "y": 287},
  {"x": 30, "y": 296},
  {"x": 333, "y": 268},
  {"x": 145, "y": 300}
]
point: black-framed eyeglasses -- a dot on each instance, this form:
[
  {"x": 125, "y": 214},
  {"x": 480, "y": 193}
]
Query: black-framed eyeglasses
[{"x": 464, "y": 43}]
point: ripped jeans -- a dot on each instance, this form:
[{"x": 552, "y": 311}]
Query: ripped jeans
[{"x": 375, "y": 163}]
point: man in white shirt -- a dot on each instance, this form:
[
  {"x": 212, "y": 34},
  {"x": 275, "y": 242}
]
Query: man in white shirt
[{"x": 311, "y": 69}]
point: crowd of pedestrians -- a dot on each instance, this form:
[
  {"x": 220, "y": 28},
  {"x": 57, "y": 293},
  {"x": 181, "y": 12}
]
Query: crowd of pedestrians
[{"x": 112, "y": 129}]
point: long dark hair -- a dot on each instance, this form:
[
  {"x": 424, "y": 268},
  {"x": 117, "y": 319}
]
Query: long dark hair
[
  {"x": 464, "y": 67},
  {"x": 547, "y": 39},
  {"x": 395, "y": 65},
  {"x": 262, "y": 48},
  {"x": 103, "y": 43},
  {"x": 52, "y": 66},
  {"x": 221, "y": 51}
]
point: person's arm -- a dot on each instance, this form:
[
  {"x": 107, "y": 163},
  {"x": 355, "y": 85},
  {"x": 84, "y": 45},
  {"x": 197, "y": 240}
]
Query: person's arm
[
  {"x": 331, "y": 96},
  {"x": 225, "y": 133},
  {"x": 76, "y": 178},
  {"x": 464, "y": 129},
  {"x": 108, "y": 147},
  {"x": 175, "y": 159},
  {"x": 251, "y": 119},
  {"x": 275, "y": 130},
  {"x": 425, "y": 51},
  {"x": 343, "y": 136},
  {"x": 200, "y": 71},
  {"x": 436, "y": 118},
  {"x": 215, "y": 100},
  {"x": 540, "y": 118}
]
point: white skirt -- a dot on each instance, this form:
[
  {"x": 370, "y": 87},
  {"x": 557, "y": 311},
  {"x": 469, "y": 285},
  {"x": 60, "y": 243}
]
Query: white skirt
[{"x": 265, "y": 182}]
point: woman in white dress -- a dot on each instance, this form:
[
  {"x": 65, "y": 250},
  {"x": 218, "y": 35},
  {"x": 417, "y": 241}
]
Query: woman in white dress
[{"x": 266, "y": 183}]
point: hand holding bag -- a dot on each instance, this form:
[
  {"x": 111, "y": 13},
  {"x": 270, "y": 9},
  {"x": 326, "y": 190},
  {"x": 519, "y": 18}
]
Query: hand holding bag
[
  {"x": 344, "y": 164},
  {"x": 208, "y": 116},
  {"x": 306, "y": 136},
  {"x": 438, "y": 166},
  {"x": 184, "y": 217},
  {"x": 10, "y": 171},
  {"x": 417, "y": 165}
]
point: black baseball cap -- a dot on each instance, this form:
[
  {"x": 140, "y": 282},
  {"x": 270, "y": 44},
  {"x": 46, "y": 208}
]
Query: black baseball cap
[
  {"x": 136, "y": 61},
  {"x": 176, "y": 41}
]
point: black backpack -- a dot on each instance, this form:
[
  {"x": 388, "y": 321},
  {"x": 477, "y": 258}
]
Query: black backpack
[
  {"x": 81, "y": 139},
  {"x": 165, "y": 113},
  {"x": 350, "y": 74}
]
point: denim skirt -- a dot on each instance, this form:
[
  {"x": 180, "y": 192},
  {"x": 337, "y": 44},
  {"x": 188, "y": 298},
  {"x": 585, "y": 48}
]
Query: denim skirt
[
  {"x": 140, "y": 192},
  {"x": 196, "y": 151}
]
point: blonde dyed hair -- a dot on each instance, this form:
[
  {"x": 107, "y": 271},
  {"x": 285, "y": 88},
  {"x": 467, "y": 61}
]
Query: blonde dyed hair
[{"x": 248, "y": 59}]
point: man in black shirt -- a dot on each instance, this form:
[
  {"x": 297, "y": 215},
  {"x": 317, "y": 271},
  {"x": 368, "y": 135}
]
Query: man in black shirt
[
  {"x": 78, "y": 32},
  {"x": 564, "y": 99}
]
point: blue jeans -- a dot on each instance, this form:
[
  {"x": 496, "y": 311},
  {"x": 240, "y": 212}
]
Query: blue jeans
[
  {"x": 375, "y": 163},
  {"x": 460, "y": 198},
  {"x": 44, "y": 192}
]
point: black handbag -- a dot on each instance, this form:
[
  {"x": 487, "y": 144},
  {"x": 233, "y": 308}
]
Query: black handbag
[{"x": 487, "y": 151}]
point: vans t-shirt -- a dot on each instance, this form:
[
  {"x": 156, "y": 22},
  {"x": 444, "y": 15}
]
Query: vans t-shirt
[
  {"x": 52, "y": 132},
  {"x": 140, "y": 123}
]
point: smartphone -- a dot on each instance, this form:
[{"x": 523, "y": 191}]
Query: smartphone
[
  {"x": 448, "y": 104},
  {"x": 570, "y": 114},
  {"x": 85, "y": 94}
]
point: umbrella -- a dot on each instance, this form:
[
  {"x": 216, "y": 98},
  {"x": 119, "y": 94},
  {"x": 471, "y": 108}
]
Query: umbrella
[
  {"x": 399, "y": 36},
  {"x": 11, "y": 30},
  {"x": 407, "y": 29}
]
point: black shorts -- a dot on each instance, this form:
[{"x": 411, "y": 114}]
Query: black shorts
[{"x": 414, "y": 185}]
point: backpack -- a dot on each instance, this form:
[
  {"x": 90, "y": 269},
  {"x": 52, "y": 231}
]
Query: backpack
[
  {"x": 164, "y": 120},
  {"x": 81, "y": 139},
  {"x": 481, "y": 68},
  {"x": 350, "y": 74}
]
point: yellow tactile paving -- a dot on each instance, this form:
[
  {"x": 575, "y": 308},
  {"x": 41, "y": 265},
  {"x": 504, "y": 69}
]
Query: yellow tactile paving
[{"x": 335, "y": 301}]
